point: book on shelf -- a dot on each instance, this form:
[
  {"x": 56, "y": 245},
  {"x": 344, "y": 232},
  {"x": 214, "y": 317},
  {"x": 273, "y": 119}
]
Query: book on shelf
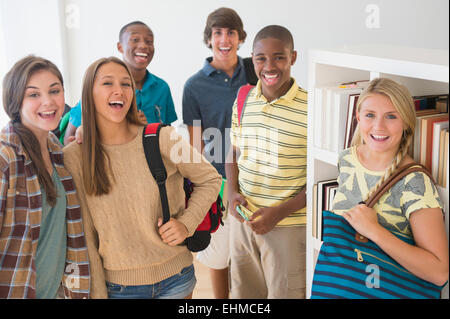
[
  {"x": 328, "y": 112},
  {"x": 442, "y": 103},
  {"x": 445, "y": 174},
  {"x": 330, "y": 191},
  {"x": 442, "y": 146},
  {"x": 324, "y": 193},
  {"x": 418, "y": 132},
  {"x": 351, "y": 122},
  {"x": 437, "y": 147},
  {"x": 339, "y": 111},
  {"x": 431, "y": 119},
  {"x": 431, "y": 102},
  {"x": 314, "y": 210},
  {"x": 331, "y": 105},
  {"x": 426, "y": 138}
]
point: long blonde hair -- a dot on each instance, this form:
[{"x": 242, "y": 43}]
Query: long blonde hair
[
  {"x": 404, "y": 104},
  {"x": 95, "y": 159}
]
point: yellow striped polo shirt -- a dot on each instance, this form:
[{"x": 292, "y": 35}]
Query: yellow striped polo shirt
[{"x": 272, "y": 142}]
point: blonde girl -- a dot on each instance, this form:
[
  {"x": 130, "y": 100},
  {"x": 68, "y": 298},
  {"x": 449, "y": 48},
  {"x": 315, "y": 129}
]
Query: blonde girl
[{"x": 386, "y": 122}]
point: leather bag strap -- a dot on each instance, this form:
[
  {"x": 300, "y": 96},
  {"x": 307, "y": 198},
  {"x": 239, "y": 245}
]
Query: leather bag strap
[
  {"x": 394, "y": 178},
  {"x": 387, "y": 184}
]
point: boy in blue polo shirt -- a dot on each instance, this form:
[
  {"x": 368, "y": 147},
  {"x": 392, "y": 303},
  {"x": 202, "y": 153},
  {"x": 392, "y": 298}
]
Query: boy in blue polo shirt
[
  {"x": 153, "y": 96},
  {"x": 207, "y": 107}
]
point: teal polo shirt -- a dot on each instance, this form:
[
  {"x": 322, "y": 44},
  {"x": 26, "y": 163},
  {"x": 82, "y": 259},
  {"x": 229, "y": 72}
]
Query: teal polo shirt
[{"x": 155, "y": 100}]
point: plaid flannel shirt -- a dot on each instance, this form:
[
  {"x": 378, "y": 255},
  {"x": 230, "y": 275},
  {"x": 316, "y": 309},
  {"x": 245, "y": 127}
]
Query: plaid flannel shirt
[{"x": 20, "y": 219}]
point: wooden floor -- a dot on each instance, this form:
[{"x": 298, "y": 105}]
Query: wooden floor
[{"x": 203, "y": 289}]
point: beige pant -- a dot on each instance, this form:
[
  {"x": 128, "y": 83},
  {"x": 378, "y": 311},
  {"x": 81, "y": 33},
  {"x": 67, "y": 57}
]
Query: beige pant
[{"x": 272, "y": 265}]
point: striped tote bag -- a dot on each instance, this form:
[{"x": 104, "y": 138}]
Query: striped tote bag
[{"x": 351, "y": 266}]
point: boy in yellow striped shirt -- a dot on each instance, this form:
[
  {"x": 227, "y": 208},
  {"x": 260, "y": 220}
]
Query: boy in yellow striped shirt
[{"x": 266, "y": 173}]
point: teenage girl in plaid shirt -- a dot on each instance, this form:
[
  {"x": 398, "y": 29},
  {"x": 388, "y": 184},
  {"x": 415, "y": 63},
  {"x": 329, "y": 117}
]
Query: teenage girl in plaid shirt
[{"x": 42, "y": 244}]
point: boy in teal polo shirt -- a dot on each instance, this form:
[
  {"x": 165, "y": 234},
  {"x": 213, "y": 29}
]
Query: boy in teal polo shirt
[{"x": 153, "y": 96}]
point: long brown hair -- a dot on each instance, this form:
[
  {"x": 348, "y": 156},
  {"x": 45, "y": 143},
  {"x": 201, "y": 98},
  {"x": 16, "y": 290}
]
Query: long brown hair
[
  {"x": 95, "y": 163},
  {"x": 404, "y": 104},
  {"x": 14, "y": 85}
]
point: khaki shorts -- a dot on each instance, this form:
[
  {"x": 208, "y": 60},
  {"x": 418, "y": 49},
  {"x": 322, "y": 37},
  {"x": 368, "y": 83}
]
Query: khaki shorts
[
  {"x": 272, "y": 265},
  {"x": 217, "y": 254}
]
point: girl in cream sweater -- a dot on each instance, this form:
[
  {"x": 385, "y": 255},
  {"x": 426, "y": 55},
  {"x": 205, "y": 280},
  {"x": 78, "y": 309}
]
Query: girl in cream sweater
[{"x": 132, "y": 254}]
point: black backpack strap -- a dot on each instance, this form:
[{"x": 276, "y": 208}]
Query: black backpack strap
[{"x": 150, "y": 139}]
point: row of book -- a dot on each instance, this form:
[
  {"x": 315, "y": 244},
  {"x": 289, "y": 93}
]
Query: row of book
[
  {"x": 335, "y": 114},
  {"x": 430, "y": 146},
  {"x": 323, "y": 195}
]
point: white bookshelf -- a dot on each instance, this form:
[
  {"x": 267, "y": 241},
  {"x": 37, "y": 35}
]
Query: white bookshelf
[{"x": 424, "y": 72}]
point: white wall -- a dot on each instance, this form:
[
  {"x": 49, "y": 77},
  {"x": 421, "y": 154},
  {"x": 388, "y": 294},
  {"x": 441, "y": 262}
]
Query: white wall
[
  {"x": 31, "y": 27},
  {"x": 2, "y": 68},
  {"x": 77, "y": 32}
]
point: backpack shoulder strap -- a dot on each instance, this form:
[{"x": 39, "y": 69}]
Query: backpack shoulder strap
[
  {"x": 150, "y": 139},
  {"x": 242, "y": 99}
]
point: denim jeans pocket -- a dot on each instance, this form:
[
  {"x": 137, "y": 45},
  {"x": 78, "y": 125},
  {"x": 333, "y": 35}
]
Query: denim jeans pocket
[
  {"x": 112, "y": 288},
  {"x": 186, "y": 270}
]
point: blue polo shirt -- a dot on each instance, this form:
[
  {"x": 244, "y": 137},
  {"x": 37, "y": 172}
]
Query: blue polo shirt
[
  {"x": 155, "y": 100},
  {"x": 208, "y": 97}
]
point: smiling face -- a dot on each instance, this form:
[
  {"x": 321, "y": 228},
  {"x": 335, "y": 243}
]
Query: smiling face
[
  {"x": 136, "y": 46},
  {"x": 113, "y": 94},
  {"x": 273, "y": 59},
  {"x": 224, "y": 43},
  {"x": 43, "y": 103},
  {"x": 380, "y": 124}
]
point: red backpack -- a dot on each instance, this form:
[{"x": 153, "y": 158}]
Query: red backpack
[
  {"x": 213, "y": 219},
  {"x": 242, "y": 99}
]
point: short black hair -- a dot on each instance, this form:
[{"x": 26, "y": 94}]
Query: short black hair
[
  {"x": 124, "y": 28},
  {"x": 276, "y": 32}
]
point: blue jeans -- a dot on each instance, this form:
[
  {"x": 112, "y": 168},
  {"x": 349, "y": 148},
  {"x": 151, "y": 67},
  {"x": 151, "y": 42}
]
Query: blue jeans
[{"x": 176, "y": 287}]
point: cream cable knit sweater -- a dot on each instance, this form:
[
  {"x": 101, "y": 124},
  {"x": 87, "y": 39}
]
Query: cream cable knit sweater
[{"x": 121, "y": 227}]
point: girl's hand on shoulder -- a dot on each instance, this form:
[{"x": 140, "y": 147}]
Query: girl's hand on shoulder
[
  {"x": 173, "y": 232},
  {"x": 363, "y": 219},
  {"x": 78, "y": 137}
]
